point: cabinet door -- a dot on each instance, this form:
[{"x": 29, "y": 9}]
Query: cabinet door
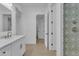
[
  {"x": 16, "y": 48},
  {"x": 6, "y": 51},
  {"x": 0, "y": 53},
  {"x": 20, "y": 45},
  {"x": 22, "y": 42}
]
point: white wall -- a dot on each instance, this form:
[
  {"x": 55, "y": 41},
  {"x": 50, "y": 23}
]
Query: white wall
[
  {"x": 28, "y": 21},
  {"x": 1, "y": 27},
  {"x": 7, "y": 5},
  {"x": 18, "y": 6},
  {"x": 13, "y": 14},
  {"x": 18, "y": 20},
  {"x": 59, "y": 28},
  {"x": 16, "y": 9},
  {"x": 4, "y": 10}
]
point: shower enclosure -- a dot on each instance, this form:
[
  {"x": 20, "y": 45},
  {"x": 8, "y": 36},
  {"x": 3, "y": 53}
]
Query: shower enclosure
[{"x": 71, "y": 29}]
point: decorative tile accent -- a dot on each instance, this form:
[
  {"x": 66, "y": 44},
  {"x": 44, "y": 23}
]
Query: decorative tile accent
[{"x": 71, "y": 32}]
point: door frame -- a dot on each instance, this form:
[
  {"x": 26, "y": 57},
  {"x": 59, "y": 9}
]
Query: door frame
[
  {"x": 44, "y": 22},
  {"x": 60, "y": 29}
]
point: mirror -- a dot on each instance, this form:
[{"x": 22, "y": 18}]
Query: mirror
[{"x": 5, "y": 21}]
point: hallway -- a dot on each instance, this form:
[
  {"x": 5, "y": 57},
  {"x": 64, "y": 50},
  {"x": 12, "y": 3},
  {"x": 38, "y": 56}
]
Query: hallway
[{"x": 38, "y": 49}]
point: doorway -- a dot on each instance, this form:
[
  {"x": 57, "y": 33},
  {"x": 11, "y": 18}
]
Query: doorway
[
  {"x": 40, "y": 28},
  {"x": 40, "y": 49}
]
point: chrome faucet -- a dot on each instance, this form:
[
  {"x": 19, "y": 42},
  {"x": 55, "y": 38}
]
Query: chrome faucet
[
  {"x": 9, "y": 34},
  {"x": 6, "y": 35}
]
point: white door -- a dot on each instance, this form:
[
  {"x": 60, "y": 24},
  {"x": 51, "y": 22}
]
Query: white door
[{"x": 47, "y": 30}]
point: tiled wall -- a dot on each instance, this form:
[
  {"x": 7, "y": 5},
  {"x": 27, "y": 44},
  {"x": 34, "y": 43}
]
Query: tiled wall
[{"x": 71, "y": 29}]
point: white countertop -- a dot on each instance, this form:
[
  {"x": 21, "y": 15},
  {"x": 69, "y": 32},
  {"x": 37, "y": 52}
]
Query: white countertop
[{"x": 4, "y": 42}]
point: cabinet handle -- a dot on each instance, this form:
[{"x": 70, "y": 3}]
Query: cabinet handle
[
  {"x": 51, "y": 22},
  {"x": 4, "y": 52},
  {"x": 20, "y": 46}
]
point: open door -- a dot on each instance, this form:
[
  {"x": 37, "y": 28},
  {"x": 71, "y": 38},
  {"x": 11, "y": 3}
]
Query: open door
[{"x": 47, "y": 30}]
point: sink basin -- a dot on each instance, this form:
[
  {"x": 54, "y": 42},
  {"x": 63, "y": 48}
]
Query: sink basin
[
  {"x": 4, "y": 42},
  {"x": 3, "y": 39}
]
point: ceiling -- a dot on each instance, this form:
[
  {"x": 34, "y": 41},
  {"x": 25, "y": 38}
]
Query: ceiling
[
  {"x": 25, "y": 4},
  {"x": 32, "y": 4}
]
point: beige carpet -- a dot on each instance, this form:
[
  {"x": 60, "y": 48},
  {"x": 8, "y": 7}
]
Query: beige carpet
[{"x": 38, "y": 49}]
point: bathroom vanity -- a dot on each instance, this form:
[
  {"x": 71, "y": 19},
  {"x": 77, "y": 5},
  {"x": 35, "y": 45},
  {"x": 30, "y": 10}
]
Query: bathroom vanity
[{"x": 12, "y": 46}]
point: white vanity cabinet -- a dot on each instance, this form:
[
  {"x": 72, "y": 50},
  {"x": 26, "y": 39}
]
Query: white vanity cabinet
[{"x": 14, "y": 48}]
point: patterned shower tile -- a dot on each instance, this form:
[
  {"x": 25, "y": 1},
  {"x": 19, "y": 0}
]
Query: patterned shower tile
[{"x": 71, "y": 37}]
